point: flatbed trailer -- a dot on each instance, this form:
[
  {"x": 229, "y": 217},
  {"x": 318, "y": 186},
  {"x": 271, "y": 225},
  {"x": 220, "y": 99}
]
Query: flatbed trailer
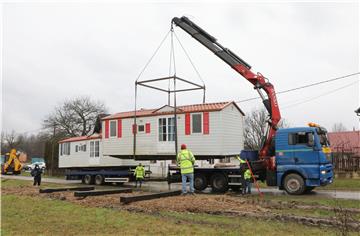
[{"x": 101, "y": 175}]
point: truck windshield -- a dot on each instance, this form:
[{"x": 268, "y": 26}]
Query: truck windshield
[{"x": 322, "y": 132}]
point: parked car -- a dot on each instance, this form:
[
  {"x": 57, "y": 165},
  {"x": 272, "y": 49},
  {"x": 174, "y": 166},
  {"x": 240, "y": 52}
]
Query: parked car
[{"x": 32, "y": 166}]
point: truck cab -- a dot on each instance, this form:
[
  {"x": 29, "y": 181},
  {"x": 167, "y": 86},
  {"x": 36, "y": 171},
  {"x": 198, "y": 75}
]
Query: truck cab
[{"x": 303, "y": 159}]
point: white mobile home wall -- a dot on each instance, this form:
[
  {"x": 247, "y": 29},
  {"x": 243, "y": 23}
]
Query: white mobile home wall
[{"x": 225, "y": 136}]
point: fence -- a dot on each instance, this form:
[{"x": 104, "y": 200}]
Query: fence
[{"x": 346, "y": 162}]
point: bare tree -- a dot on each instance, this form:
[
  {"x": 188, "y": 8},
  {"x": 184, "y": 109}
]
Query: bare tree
[
  {"x": 338, "y": 127},
  {"x": 255, "y": 128},
  {"x": 11, "y": 140},
  {"x": 74, "y": 117}
]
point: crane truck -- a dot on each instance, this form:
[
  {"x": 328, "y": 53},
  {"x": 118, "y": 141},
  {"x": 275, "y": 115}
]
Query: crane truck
[{"x": 294, "y": 159}]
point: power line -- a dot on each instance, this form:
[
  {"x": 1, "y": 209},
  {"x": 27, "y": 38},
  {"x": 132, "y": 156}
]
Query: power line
[
  {"x": 305, "y": 86},
  {"x": 321, "y": 95}
]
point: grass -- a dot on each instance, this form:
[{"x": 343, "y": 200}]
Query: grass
[
  {"x": 54, "y": 217},
  {"x": 343, "y": 184},
  {"x": 338, "y": 184},
  {"x": 22, "y": 183},
  {"x": 25, "y": 173},
  {"x": 311, "y": 200}
]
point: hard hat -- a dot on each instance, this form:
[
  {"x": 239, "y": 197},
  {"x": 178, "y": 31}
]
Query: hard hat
[{"x": 183, "y": 146}]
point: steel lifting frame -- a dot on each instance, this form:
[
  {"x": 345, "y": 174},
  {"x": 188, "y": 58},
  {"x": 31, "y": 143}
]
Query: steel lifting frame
[{"x": 174, "y": 78}]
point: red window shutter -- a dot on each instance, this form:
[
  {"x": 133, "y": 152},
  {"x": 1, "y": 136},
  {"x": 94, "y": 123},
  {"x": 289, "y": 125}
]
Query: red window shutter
[
  {"x": 187, "y": 124},
  {"x": 119, "y": 128},
  {"x": 206, "y": 122},
  {"x": 147, "y": 128},
  {"x": 134, "y": 126},
  {"x": 106, "y": 128}
]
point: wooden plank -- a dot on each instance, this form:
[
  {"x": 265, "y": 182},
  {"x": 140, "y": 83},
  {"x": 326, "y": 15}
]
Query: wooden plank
[
  {"x": 51, "y": 190},
  {"x": 102, "y": 192},
  {"x": 129, "y": 199}
]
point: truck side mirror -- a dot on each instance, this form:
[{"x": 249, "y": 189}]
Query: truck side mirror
[{"x": 310, "y": 137}]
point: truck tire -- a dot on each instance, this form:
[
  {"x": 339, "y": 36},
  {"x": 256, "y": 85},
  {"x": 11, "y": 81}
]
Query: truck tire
[
  {"x": 219, "y": 183},
  {"x": 200, "y": 182},
  {"x": 294, "y": 184},
  {"x": 99, "y": 179},
  {"x": 88, "y": 179}
]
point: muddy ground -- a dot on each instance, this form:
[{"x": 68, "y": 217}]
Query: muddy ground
[{"x": 227, "y": 204}]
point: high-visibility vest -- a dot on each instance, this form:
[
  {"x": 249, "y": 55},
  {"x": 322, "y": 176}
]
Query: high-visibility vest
[
  {"x": 186, "y": 160},
  {"x": 240, "y": 160},
  {"x": 247, "y": 174},
  {"x": 139, "y": 172}
]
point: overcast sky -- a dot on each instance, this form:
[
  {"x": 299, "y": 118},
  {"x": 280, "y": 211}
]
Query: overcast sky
[{"x": 57, "y": 51}]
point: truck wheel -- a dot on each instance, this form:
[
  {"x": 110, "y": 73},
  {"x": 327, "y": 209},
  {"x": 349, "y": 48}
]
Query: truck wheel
[
  {"x": 294, "y": 184},
  {"x": 200, "y": 182},
  {"x": 219, "y": 183},
  {"x": 99, "y": 179},
  {"x": 88, "y": 179}
]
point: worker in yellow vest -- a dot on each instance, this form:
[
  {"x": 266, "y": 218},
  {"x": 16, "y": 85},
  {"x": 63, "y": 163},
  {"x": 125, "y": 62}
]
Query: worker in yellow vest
[
  {"x": 247, "y": 178},
  {"x": 242, "y": 163},
  {"x": 139, "y": 174},
  {"x": 186, "y": 160}
]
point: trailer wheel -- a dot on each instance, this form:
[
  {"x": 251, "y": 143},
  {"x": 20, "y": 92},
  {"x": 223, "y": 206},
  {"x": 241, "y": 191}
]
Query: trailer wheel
[
  {"x": 200, "y": 182},
  {"x": 88, "y": 179},
  {"x": 294, "y": 184},
  {"x": 99, "y": 179},
  {"x": 219, "y": 183}
]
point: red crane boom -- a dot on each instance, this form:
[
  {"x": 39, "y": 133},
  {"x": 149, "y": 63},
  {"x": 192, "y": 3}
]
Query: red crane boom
[{"x": 258, "y": 80}]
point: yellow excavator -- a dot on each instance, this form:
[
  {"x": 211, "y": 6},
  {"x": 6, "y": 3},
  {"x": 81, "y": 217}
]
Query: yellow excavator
[{"x": 12, "y": 164}]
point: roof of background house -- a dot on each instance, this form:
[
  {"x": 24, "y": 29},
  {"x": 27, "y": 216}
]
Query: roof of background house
[
  {"x": 203, "y": 107},
  {"x": 347, "y": 141},
  {"x": 81, "y": 138}
]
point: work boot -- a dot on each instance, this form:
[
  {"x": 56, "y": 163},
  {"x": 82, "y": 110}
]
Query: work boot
[
  {"x": 183, "y": 194},
  {"x": 192, "y": 194}
]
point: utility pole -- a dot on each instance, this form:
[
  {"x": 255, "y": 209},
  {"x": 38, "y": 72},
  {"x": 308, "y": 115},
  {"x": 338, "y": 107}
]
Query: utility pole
[{"x": 52, "y": 148}]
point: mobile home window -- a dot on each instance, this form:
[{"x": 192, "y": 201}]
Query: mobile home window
[
  {"x": 94, "y": 148},
  {"x": 162, "y": 129},
  {"x": 141, "y": 128},
  {"x": 196, "y": 123},
  {"x": 65, "y": 149},
  {"x": 167, "y": 129},
  {"x": 113, "y": 128},
  {"x": 76, "y": 148},
  {"x": 171, "y": 129}
]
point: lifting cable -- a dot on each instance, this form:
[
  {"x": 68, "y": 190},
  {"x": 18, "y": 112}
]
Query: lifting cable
[
  {"x": 134, "y": 128},
  {"x": 172, "y": 69},
  {"x": 192, "y": 64}
]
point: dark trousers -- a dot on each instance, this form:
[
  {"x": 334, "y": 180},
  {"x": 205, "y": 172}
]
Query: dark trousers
[
  {"x": 247, "y": 186},
  {"x": 138, "y": 180},
  {"x": 37, "y": 180}
]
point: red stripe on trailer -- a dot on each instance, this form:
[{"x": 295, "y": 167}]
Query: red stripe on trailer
[
  {"x": 187, "y": 124},
  {"x": 147, "y": 128},
  {"x": 106, "y": 128},
  {"x": 206, "y": 122},
  {"x": 134, "y": 126},
  {"x": 119, "y": 128}
]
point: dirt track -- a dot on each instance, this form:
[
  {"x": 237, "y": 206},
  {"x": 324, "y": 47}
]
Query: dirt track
[{"x": 203, "y": 203}]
